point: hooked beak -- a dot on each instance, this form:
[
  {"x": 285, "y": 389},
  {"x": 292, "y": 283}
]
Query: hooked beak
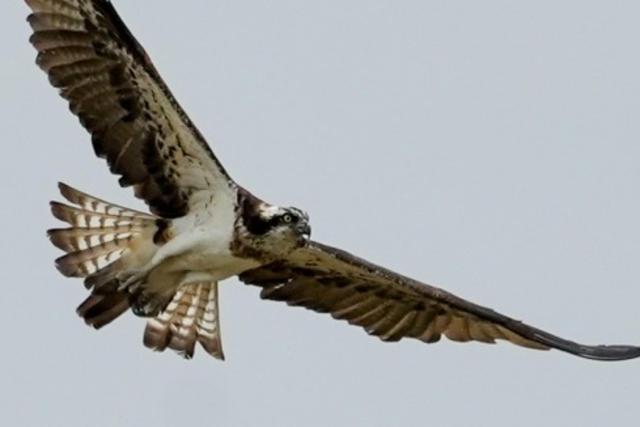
[{"x": 304, "y": 230}]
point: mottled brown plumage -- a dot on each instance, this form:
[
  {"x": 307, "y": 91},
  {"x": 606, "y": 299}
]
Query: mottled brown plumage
[
  {"x": 205, "y": 227},
  {"x": 99, "y": 235},
  {"x": 119, "y": 97},
  {"x": 391, "y": 306}
]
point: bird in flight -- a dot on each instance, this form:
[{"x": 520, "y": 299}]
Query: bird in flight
[{"x": 203, "y": 227}]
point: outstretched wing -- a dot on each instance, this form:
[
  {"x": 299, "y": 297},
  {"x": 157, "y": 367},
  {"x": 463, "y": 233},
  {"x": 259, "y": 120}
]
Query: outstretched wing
[
  {"x": 114, "y": 89},
  {"x": 392, "y": 307}
]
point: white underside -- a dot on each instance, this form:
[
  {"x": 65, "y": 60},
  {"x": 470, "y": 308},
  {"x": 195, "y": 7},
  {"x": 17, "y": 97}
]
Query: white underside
[{"x": 199, "y": 250}]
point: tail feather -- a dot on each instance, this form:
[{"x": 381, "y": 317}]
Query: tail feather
[
  {"x": 93, "y": 204},
  {"x": 99, "y": 235},
  {"x": 107, "y": 244},
  {"x": 87, "y": 261},
  {"x": 191, "y": 316},
  {"x": 77, "y": 239},
  {"x": 86, "y": 218}
]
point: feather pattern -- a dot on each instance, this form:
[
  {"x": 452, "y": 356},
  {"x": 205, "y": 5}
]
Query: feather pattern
[
  {"x": 391, "y": 307},
  {"x": 190, "y": 317},
  {"x": 139, "y": 128},
  {"x": 99, "y": 235},
  {"x": 114, "y": 89}
]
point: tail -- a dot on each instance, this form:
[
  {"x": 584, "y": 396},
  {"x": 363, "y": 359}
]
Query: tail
[
  {"x": 190, "y": 317},
  {"x": 103, "y": 240}
]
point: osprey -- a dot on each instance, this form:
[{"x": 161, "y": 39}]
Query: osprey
[{"x": 203, "y": 226}]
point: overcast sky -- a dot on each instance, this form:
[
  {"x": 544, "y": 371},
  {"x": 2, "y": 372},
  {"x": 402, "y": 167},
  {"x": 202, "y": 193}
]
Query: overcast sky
[{"x": 491, "y": 148}]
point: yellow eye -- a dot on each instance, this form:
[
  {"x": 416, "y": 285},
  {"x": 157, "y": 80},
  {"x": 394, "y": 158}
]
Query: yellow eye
[{"x": 287, "y": 218}]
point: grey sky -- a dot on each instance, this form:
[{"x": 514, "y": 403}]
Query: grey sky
[{"x": 491, "y": 148}]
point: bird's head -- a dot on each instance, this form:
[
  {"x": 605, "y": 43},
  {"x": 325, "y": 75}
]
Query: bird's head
[{"x": 277, "y": 230}]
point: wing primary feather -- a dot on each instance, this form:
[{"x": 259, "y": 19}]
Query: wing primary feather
[
  {"x": 392, "y": 306},
  {"x": 116, "y": 92}
]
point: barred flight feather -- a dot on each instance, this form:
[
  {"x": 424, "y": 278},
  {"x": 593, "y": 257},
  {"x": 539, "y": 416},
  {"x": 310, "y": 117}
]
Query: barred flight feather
[
  {"x": 190, "y": 317},
  {"x": 100, "y": 232}
]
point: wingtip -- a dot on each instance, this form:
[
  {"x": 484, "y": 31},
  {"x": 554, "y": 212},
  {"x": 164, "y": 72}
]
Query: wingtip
[
  {"x": 604, "y": 353},
  {"x": 609, "y": 353}
]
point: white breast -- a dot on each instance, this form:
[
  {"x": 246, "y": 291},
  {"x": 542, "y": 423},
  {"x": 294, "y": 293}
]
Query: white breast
[{"x": 200, "y": 245}]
